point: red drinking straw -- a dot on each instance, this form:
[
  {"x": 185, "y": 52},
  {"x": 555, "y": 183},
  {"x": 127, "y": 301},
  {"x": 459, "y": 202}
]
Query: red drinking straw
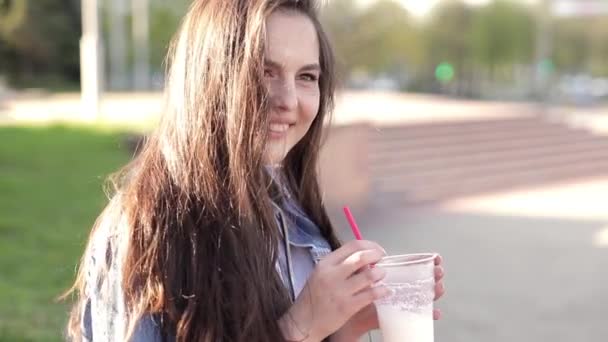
[{"x": 353, "y": 223}]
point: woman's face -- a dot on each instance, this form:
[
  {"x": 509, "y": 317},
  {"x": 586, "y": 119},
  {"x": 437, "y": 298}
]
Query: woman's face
[{"x": 292, "y": 73}]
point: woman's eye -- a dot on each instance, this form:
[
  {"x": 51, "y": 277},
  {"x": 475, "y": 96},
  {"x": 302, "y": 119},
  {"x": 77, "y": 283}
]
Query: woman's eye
[
  {"x": 310, "y": 77},
  {"x": 268, "y": 73}
]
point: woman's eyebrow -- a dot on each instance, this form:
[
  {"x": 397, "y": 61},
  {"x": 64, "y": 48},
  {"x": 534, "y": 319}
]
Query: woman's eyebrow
[
  {"x": 311, "y": 67},
  {"x": 307, "y": 67},
  {"x": 271, "y": 63}
]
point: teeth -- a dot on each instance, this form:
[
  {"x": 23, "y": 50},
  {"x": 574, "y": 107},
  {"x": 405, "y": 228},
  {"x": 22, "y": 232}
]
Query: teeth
[{"x": 279, "y": 128}]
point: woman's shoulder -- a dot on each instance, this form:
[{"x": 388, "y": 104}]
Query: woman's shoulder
[
  {"x": 109, "y": 230},
  {"x": 102, "y": 256},
  {"x": 105, "y": 313}
]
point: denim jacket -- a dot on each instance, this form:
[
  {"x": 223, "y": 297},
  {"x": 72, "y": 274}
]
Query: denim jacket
[
  {"x": 104, "y": 315},
  {"x": 298, "y": 232}
]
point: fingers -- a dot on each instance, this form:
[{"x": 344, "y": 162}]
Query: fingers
[
  {"x": 359, "y": 261},
  {"x": 439, "y": 273},
  {"x": 438, "y": 260},
  {"x": 439, "y": 287},
  {"x": 364, "y": 279},
  {"x": 368, "y": 296},
  {"x": 339, "y": 255},
  {"x": 436, "y": 314},
  {"x": 439, "y": 290}
]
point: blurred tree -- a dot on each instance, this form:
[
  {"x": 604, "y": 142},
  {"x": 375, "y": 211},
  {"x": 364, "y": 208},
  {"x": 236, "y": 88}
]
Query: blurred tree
[
  {"x": 39, "y": 39},
  {"x": 165, "y": 18},
  {"x": 571, "y": 49},
  {"x": 503, "y": 35},
  {"x": 43, "y": 46},
  {"x": 12, "y": 14},
  {"x": 448, "y": 42},
  {"x": 581, "y": 45},
  {"x": 340, "y": 18},
  {"x": 387, "y": 39},
  {"x": 377, "y": 40},
  {"x": 599, "y": 47}
]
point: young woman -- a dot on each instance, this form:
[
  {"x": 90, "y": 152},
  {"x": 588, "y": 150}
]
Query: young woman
[{"x": 217, "y": 231}]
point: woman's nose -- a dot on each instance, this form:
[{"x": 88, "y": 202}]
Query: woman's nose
[{"x": 284, "y": 95}]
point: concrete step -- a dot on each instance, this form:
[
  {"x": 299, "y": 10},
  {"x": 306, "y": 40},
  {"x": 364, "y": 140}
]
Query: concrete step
[
  {"x": 430, "y": 162},
  {"x": 492, "y": 183},
  {"x": 480, "y": 168},
  {"x": 441, "y": 161},
  {"x": 395, "y": 151},
  {"x": 448, "y": 127},
  {"x": 458, "y": 128},
  {"x": 468, "y": 182},
  {"x": 428, "y": 141}
]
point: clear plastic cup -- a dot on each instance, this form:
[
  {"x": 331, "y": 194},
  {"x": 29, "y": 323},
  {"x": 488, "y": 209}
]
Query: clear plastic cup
[{"x": 406, "y": 315}]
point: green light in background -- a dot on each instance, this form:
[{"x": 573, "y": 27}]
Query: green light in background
[
  {"x": 546, "y": 66},
  {"x": 444, "y": 72}
]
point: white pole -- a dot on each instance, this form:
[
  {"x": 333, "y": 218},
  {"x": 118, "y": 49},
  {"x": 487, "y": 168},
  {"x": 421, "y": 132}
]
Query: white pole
[
  {"x": 117, "y": 48},
  {"x": 91, "y": 65},
  {"x": 141, "y": 39}
]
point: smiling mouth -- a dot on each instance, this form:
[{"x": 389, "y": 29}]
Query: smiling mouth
[{"x": 279, "y": 128}]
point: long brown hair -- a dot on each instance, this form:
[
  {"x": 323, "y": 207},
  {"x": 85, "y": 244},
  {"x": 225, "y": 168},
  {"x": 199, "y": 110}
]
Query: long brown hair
[{"x": 200, "y": 239}]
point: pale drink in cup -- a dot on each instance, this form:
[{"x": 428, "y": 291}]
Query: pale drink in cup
[{"x": 406, "y": 315}]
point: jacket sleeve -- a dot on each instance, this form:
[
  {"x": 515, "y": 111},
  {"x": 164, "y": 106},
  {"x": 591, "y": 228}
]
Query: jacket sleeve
[{"x": 104, "y": 315}]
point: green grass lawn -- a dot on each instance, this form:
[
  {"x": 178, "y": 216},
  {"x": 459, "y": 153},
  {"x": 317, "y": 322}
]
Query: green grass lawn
[{"x": 50, "y": 194}]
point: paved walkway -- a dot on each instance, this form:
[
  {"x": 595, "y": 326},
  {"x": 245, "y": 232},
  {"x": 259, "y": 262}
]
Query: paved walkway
[
  {"x": 115, "y": 109},
  {"x": 525, "y": 266},
  {"x": 352, "y": 106}
]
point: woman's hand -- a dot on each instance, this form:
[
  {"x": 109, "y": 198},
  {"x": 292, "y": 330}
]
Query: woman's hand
[
  {"x": 367, "y": 319},
  {"x": 439, "y": 288},
  {"x": 339, "y": 287}
]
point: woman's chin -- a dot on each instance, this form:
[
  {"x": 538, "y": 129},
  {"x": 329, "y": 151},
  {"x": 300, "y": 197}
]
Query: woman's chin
[{"x": 274, "y": 157}]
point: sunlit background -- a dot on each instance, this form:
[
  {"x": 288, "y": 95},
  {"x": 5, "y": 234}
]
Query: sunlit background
[{"x": 477, "y": 129}]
